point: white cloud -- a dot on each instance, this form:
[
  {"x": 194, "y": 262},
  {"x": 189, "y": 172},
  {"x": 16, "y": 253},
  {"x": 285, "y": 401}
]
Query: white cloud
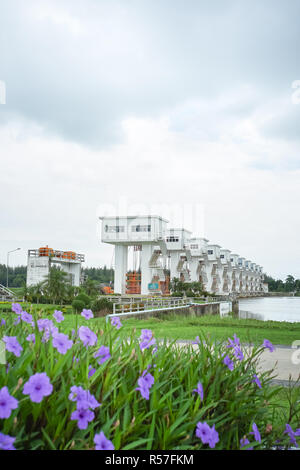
[
  {"x": 150, "y": 105},
  {"x": 54, "y": 188}
]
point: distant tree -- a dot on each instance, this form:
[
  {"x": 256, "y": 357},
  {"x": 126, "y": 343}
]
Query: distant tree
[
  {"x": 55, "y": 284},
  {"x": 91, "y": 287},
  {"x": 290, "y": 285}
]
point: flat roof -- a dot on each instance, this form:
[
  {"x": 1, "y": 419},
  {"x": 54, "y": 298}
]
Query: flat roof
[
  {"x": 133, "y": 217},
  {"x": 179, "y": 230}
]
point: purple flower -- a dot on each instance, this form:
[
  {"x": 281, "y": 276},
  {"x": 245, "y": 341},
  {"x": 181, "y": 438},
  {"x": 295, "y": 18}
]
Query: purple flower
[
  {"x": 207, "y": 435},
  {"x": 12, "y": 345},
  {"x": 58, "y": 315},
  {"x": 233, "y": 343},
  {"x": 37, "y": 387},
  {"x": 214, "y": 438},
  {"x": 203, "y": 432},
  {"x": 16, "y": 308},
  {"x": 148, "y": 378},
  {"x": 145, "y": 382},
  {"x": 292, "y": 434},
  {"x": 87, "y": 314},
  {"x": 103, "y": 353},
  {"x": 102, "y": 443},
  {"x": 197, "y": 340},
  {"x": 267, "y": 344},
  {"x": 87, "y": 336},
  {"x": 83, "y": 398},
  {"x": 7, "y": 403},
  {"x": 115, "y": 321},
  {"x": 256, "y": 380},
  {"x": 44, "y": 324},
  {"x": 27, "y": 317},
  {"x": 51, "y": 330},
  {"x": 31, "y": 337},
  {"x": 199, "y": 390},
  {"x": 238, "y": 353},
  {"x": 77, "y": 393},
  {"x": 146, "y": 339},
  {"x": 6, "y": 442},
  {"x": 83, "y": 416},
  {"x": 256, "y": 433},
  {"x": 228, "y": 362},
  {"x": 3, "y": 322},
  {"x": 143, "y": 388},
  {"x": 244, "y": 442},
  {"x": 91, "y": 372},
  {"x": 61, "y": 342},
  {"x": 17, "y": 320}
]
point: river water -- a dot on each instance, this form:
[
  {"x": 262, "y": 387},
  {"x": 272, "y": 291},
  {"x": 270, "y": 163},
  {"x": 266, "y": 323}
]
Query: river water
[{"x": 271, "y": 308}]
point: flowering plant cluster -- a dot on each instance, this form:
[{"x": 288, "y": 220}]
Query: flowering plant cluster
[{"x": 68, "y": 384}]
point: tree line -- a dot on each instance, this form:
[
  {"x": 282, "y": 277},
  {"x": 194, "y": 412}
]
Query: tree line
[
  {"x": 289, "y": 285},
  {"x": 17, "y": 278},
  {"x": 17, "y": 275}
]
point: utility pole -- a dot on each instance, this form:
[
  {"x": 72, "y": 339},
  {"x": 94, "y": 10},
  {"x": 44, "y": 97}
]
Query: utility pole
[{"x": 7, "y": 264}]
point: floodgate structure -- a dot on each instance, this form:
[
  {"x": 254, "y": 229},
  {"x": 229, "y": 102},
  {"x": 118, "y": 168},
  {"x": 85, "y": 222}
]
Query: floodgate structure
[
  {"x": 161, "y": 254},
  {"x": 39, "y": 262}
]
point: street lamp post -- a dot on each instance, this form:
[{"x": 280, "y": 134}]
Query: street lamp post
[{"x": 7, "y": 264}]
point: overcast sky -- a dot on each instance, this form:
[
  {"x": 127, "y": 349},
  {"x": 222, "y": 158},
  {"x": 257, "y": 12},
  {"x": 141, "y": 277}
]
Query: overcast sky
[{"x": 178, "y": 107}]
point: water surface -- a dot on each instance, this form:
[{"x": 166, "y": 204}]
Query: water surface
[{"x": 271, "y": 308}]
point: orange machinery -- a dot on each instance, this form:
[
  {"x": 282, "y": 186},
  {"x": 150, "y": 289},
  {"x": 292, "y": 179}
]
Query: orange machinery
[
  {"x": 46, "y": 251},
  {"x": 107, "y": 290},
  {"x": 165, "y": 286},
  {"x": 133, "y": 283},
  {"x": 69, "y": 255}
]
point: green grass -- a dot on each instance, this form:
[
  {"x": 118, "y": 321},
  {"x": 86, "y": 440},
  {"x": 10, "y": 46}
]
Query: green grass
[{"x": 187, "y": 328}]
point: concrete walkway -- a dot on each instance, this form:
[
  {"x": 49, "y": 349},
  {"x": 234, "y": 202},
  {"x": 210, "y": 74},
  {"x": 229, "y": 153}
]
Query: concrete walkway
[{"x": 284, "y": 360}]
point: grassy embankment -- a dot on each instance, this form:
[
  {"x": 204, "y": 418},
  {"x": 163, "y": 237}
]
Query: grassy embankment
[{"x": 187, "y": 328}]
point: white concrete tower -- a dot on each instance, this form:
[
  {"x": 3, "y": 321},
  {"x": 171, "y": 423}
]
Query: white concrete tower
[
  {"x": 146, "y": 232},
  {"x": 213, "y": 271},
  {"x": 41, "y": 260},
  {"x": 226, "y": 274},
  {"x": 176, "y": 240},
  {"x": 196, "y": 253},
  {"x": 235, "y": 276}
]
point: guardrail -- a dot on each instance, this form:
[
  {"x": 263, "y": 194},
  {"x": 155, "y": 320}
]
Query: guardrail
[
  {"x": 150, "y": 304},
  {"x": 139, "y": 304}
]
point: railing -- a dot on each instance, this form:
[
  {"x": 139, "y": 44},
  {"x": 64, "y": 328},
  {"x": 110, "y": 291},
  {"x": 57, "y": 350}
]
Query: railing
[
  {"x": 127, "y": 305},
  {"x": 62, "y": 255},
  {"x": 150, "y": 304}
]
